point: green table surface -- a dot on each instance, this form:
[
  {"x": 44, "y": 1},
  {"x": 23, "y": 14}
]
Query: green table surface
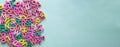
[{"x": 80, "y": 23}]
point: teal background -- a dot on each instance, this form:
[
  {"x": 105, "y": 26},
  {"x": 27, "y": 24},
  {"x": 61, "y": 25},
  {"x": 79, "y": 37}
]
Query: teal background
[{"x": 80, "y": 23}]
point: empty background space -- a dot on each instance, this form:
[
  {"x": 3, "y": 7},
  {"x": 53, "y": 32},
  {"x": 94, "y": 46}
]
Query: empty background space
[{"x": 80, "y": 23}]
